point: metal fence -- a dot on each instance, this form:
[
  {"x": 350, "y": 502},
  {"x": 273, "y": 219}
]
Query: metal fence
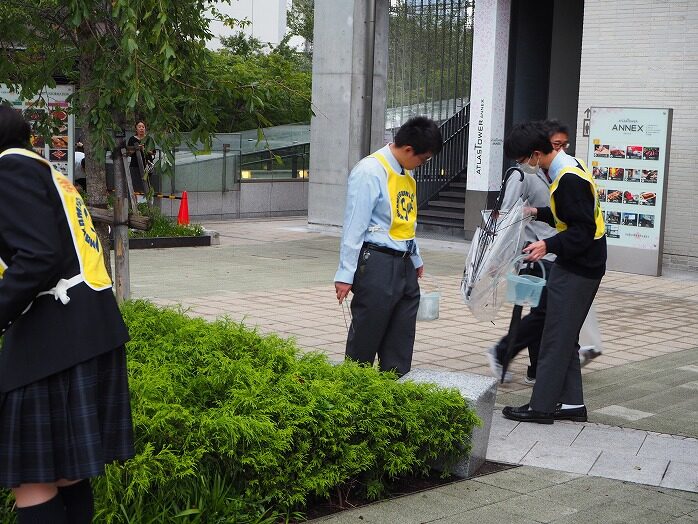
[
  {"x": 430, "y": 50},
  {"x": 449, "y": 163}
]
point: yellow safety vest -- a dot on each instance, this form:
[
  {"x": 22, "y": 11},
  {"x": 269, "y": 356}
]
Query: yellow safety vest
[
  {"x": 583, "y": 173},
  {"x": 85, "y": 241},
  {"x": 402, "y": 191}
]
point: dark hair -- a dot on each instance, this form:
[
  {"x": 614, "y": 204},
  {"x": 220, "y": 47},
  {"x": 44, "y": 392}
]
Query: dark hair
[
  {"x": 14, "y": 129},
  {"x": 555, "y": 126},
  {"x": 524, "y": 139},
  {"x": 139, "y": 122},
  {"x": 422, "y": 134}
]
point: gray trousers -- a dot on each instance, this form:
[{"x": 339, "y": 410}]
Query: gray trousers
[
  {"x": 384, "y": 311},
  {"x": 559, "y": 375}
]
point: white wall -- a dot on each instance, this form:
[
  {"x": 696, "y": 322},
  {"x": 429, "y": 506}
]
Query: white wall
[
  {"x": 267, "y": 17},
  {"x": 644, "y": 54}
]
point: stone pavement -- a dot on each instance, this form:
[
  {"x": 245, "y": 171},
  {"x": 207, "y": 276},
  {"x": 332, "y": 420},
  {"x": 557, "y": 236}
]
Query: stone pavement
[
  {"x": 276, "y": 274},
  {"x": 531, "y": 495}
]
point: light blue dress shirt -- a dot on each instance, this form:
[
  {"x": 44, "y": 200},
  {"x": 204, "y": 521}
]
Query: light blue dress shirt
[{"x": 367, "y": 215}]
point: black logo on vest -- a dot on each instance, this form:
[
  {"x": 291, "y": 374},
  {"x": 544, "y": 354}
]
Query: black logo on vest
[
  {"x": 89, "y": 234},
  {"x": 404, "y": 205}
]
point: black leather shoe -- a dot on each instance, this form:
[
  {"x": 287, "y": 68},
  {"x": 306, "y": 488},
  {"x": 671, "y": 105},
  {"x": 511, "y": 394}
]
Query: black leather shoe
[
  {"x": 574, "y": 414},
  {"x": 526, "y": 414}
]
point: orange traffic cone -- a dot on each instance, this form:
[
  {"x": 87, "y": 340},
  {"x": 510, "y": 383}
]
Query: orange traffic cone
[{"x": 183, "y": 215}]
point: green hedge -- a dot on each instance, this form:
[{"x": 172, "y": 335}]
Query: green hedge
[
  {"x": 164, "y": 226},
  {"x": 232, "y": 426}
]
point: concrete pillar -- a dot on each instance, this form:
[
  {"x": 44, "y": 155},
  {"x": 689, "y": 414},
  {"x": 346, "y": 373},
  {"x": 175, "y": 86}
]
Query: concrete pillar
[
  {"x": 349, "y": 97},
  {"x": 487, "y": 107}
]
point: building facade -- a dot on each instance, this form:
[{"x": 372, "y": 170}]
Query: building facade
[
  {"x": 267, "y": 20},
  {"x": 530, "y": 60}
]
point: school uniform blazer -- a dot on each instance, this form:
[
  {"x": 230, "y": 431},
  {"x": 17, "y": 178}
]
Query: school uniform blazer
[{"x": 37, "y": 249}]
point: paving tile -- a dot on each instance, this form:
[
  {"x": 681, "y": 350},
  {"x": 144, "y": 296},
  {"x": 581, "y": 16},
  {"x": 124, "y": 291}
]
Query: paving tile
[
  {"x": 621, "y": 466},
  {"x": 560, "y": 434},
  {"x": 665, "y": 500},
  {"x": 681, "y": 475},
  {"x": 507, "y": 451},
  {"x": 527, "y": 507},
  {"x": 485, "y": 515},
  {"x": 516, "y": 479},
  {"x": 623, "y": 413},
  {"x": 607, "y": 438},
  {"x": 501, "y": 427},
  {"x": 614, "y": 512},
  {"x": 580, "y": 493},
  {"x": 560, "y": 457},
  {"x": 671, "y": 448},
  {"x": 474, "y": 493},
  {"x": 550, "y": 475}
]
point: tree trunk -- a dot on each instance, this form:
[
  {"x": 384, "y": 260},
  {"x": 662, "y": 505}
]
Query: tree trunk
[{"x": 95, "y": 171}]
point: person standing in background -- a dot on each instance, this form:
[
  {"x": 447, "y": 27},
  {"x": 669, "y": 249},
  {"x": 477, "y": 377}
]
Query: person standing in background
[
  {"x": 533, "y": 189},
  {"x": 580, "y": 246},
  {"x": 138, "y": 178},
  {"x": 379, "y": 259},
  {"x": 79, "y": 175}
]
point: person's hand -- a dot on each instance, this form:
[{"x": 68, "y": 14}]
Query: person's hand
[
  {"x": 342, "y": 289},
  {"x": 530, "y": 212},
  {"x": 420, "y": 271},
  {"x": 536, "y": 251}
]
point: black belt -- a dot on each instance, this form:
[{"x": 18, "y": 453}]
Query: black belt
[{"x": 387, "y": 250}]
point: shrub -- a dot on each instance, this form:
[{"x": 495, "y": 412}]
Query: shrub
[
  {"x": 232, "y": 426},
  {"x": 164, "y": 226}
]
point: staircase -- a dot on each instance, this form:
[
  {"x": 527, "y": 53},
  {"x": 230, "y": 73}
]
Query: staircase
[
  {"x": 441, "y": 182},
  {"x": 444, "y": 212}
]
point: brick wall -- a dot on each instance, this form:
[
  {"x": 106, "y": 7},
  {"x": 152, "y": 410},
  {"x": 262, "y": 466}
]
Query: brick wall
[{"x": 644, "y": 53}]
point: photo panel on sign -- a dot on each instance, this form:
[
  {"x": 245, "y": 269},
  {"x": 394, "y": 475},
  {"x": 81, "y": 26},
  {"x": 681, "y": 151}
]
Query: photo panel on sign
[
  {"x": 600, "y": 173},
  {"x": 602, "y": 150},
  {"x": 629, "y": 197},
  {"x": 612, "y": 231},
  {"x": 646, "y": 220},
  {"x": 633, "y": 175},
  {"x": 648, "y": 198},
  {"x": 614, "y": 196},
  {"x": 650, "y": 153},
  {"x": 617, "y": 151},
  {"x": 613, "y": 217},
  {"x": 634, "y": 152},
  {"x": 649, "y": 176},
  {"x": 616, "y": 173},
  {"x": 629, "y": 219}
]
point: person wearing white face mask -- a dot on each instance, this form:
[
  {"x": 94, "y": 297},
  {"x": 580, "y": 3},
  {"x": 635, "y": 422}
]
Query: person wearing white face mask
[
  {"x": 532, "y": 189},
  {"x": 580, "y": 246}
]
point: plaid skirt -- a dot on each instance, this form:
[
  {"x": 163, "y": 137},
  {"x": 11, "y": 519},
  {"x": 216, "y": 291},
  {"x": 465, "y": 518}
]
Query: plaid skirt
[{"x": 68, "y": 425}]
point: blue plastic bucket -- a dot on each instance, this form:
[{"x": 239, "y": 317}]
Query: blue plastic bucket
[{"x": 524, "y": 290}]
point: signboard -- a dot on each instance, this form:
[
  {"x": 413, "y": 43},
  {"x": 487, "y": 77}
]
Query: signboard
[
  {"x": 59, "y": 149},
  {"x": 629, "y": 158}
]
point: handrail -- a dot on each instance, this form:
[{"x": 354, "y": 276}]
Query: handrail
[{"x": 451, "y": 161}]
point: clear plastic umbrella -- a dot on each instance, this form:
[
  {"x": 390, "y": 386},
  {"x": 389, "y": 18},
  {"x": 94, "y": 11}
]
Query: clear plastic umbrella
[{"x": 495, "y": 245}]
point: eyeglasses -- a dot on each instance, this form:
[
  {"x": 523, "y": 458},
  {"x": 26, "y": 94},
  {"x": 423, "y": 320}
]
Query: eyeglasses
[
  {"x": 560, "y": 145},
  {"x": 424, "y": 158}
]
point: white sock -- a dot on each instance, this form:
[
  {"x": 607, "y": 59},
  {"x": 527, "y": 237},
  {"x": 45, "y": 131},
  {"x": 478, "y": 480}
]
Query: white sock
[{"x": 571, "y": 406}]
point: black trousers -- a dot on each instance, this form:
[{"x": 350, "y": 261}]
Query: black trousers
[
  {"x": 136, "y": 177},
  {"x": 384, "y": 311},
  {"x": 559, "y": 375},
  {"x": 530, "y": 328}
]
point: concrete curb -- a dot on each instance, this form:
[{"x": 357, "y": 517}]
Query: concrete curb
[{"x": 481, "y": 393}]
